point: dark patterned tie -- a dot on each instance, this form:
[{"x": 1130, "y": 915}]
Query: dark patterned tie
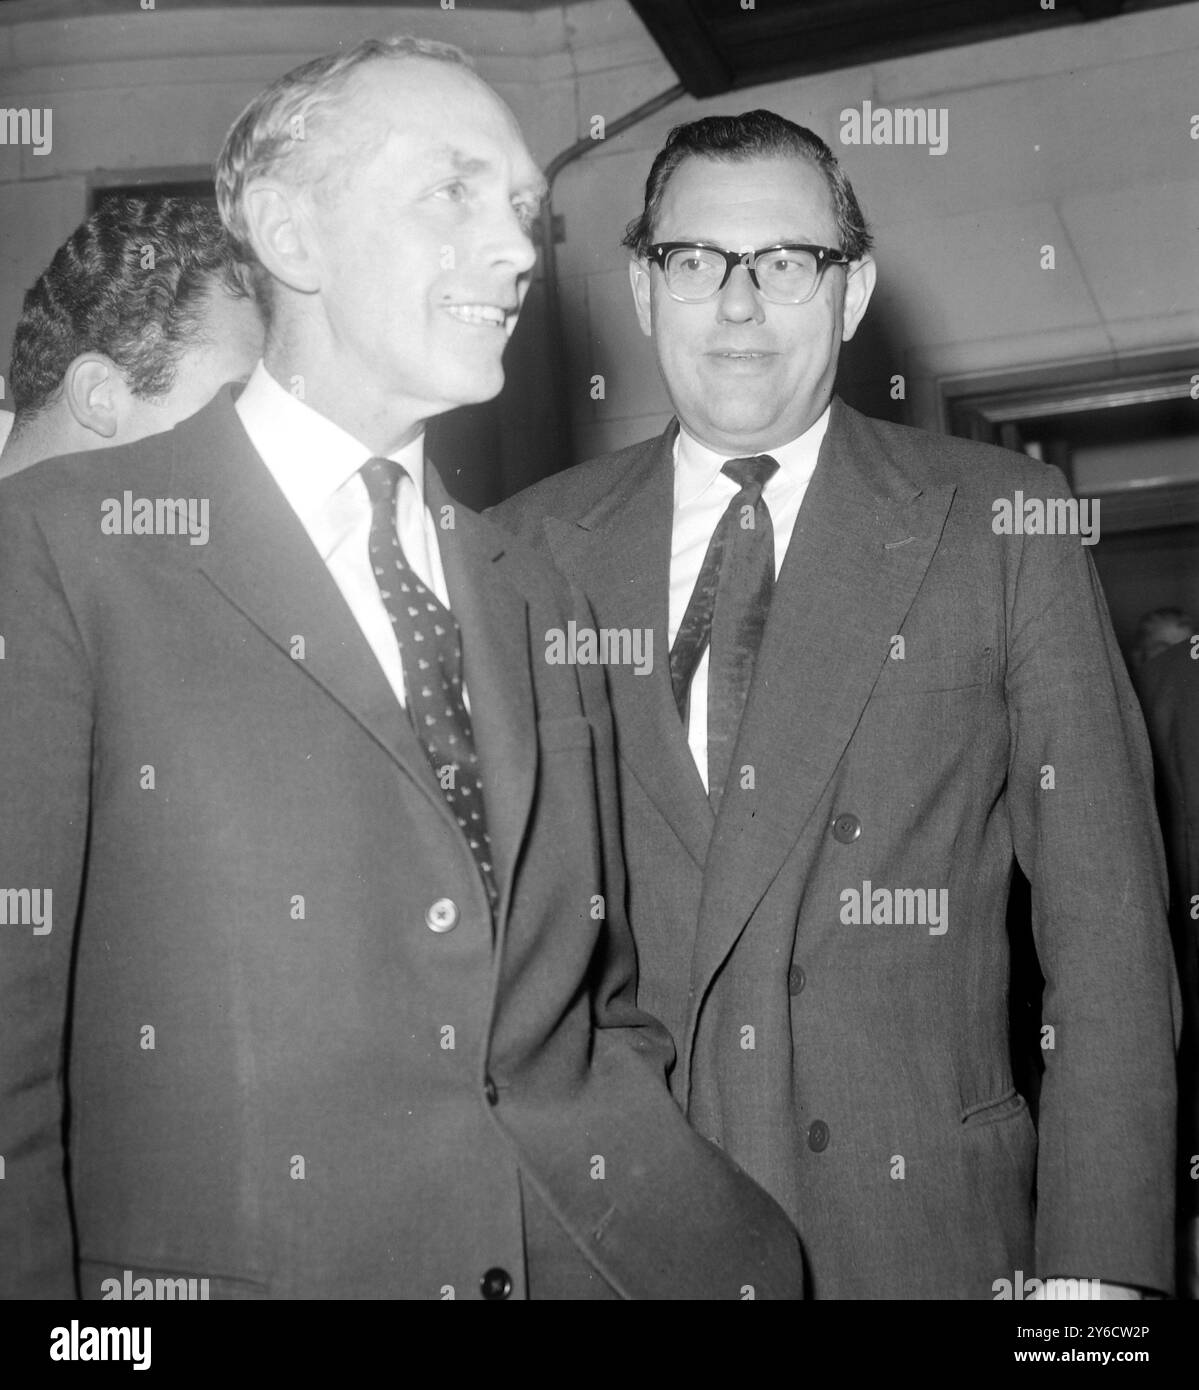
[
  {"x": 727, "y": 610},
  {"x": 431, "y": 652}
]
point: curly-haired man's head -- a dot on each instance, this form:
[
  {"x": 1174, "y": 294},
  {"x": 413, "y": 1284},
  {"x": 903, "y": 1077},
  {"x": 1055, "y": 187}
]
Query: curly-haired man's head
[{"x": 136, "y": 323}]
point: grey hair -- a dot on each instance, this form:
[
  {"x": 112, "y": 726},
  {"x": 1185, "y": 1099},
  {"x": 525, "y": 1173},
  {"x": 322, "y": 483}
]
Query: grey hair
[{"x": 273, "y": 134}]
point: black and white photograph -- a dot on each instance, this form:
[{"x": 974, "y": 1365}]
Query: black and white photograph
[{"x": 599, "y": 668}]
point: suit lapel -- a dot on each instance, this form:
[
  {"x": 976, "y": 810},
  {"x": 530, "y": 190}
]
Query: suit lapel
[
  {"x": 864, "y": 537},
  {"x": 493, "y": 617},
  {"x": 262, "y": 561},
  {"x": 260, "y": 558},
  {"x": 619, "y": 554}
]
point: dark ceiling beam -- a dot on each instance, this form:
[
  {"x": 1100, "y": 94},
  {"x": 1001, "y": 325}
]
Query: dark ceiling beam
[
  {"x": 759, "y": 60},
  {"x": 680, "y": 31},
  {"x": 715, "y": 46},
  {"x": 837, "y": 24}
]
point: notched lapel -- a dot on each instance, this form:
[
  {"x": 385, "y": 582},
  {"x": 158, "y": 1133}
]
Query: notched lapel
[
  {"x": 260, "y": 558},
  {"x": 862, "y": 543},
  {"x": 619, "y": 555}
]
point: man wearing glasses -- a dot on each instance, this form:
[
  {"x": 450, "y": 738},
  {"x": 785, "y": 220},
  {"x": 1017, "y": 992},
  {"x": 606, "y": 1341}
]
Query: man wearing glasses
[{"x": 878, "y": 698}]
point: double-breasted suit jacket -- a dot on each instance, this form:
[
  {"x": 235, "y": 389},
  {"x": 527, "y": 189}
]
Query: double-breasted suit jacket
[{"x": 933, "y": 699}]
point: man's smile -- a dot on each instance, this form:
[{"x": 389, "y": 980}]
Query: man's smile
[
  {"x": 742, "y": 356},
  {"x": 481, "y": 315}
]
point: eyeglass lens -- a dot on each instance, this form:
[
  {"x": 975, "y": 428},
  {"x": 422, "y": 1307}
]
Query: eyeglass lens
[{"x": 787, "y": 277}]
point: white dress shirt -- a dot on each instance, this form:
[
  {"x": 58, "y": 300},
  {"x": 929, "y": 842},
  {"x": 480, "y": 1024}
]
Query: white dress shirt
[
  {"x": 702, "y": 494},
  {"x": 316, "y": 465}
]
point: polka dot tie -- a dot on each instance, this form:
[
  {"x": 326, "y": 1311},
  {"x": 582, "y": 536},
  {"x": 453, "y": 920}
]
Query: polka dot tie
[
  {"x": 727, "y": 609},
  {"x": 430, "y": 645}
]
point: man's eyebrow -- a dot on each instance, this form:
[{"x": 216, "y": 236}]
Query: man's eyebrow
[
  {"x": 758, "y": 246},
  {"x": 535, "y": 189},
  {"x": 456, "y": 159}
]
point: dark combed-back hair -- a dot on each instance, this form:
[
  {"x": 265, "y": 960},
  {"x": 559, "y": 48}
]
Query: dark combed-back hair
[
  {"x": 132, "y": 283},
  {"x": 751, "y": 135}
]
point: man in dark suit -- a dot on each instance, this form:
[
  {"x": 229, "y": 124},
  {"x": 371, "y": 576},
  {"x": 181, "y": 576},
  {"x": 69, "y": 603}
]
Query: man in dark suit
[
  {"x": 882, "y": 688},
  {"x": 1169, "y": 686},
  {"x": 314, "y": 974}
]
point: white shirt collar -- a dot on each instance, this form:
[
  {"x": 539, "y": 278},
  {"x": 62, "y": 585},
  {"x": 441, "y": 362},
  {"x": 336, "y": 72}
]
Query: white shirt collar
[
  {"x": 309, "y": 456},
  {"x": 697, "y": 467}
]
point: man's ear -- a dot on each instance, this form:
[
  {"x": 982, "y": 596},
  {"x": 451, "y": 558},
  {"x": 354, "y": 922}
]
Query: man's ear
[
  {"x": 639, "y": 279},
  {"x": 96, "y": 394},
  {"x": 859, "y": 286},
  {"x": 282, "y": 234}
]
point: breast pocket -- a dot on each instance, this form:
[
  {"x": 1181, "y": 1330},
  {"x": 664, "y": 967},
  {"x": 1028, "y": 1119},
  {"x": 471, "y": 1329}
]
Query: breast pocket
[
  {"x": 915, "y": 675},
  {"x": 988, "y": 1112}
]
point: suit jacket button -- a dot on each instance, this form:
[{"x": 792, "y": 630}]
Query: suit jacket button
[
  {"x": 491, "y": 1092},
  {"x": 846, "y": 828},
  {"x": 818, "y": 1136},
  {"x": 496, "y": 1284},
  {"x": 796, "y": 979},
  {"x": 442, "y": 916}
]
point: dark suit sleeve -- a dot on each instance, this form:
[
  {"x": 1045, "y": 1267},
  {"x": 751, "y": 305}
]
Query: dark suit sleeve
[
  {"x": 617, "y": 1017},
  {"x": 1082, "y": 816},
  {"x": 45, "y": 752}
]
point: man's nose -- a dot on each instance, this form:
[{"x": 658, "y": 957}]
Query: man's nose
[
  {"x": 739, "y": 302},
  {"x": 511, "y": 243}
]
